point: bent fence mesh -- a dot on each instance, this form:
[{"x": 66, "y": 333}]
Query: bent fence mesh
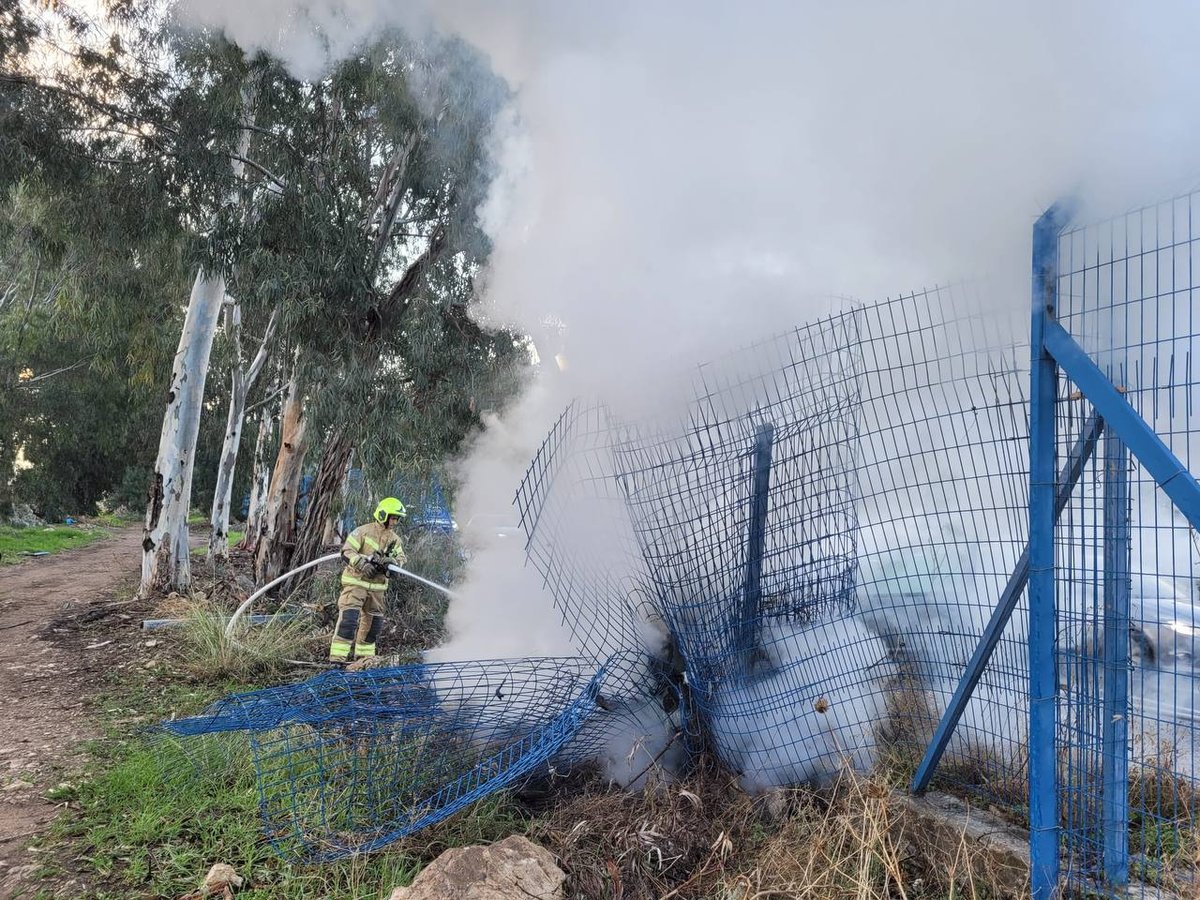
[
  {"x": 793, "y": 573},
  {"x": 349, "y": 762}
]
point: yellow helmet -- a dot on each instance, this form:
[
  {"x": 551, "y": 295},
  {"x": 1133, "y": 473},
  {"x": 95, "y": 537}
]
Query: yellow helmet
[{"x": 389, "y": 506}]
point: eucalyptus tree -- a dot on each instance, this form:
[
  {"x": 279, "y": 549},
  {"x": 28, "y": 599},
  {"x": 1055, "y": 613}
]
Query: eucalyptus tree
[
  {"x": 393, "y": 245},
  {"x": 91, "y": 245}
]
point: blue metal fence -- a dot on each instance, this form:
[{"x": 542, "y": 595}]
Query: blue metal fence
[
  {"x": 921, "y": 533},
  {"x": 1117, "y": 326}
]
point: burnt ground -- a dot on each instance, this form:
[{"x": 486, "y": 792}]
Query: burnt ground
[{"x": 68, "y": 623}]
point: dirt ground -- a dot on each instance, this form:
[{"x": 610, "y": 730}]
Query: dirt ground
[{"x": 44, "y": 683}]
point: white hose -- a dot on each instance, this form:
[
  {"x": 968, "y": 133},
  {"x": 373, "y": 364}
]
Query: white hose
[{"x": 237, "y": 613}]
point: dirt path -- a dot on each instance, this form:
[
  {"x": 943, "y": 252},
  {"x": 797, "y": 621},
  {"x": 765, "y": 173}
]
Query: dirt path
[{"x": 43, "y": 687}]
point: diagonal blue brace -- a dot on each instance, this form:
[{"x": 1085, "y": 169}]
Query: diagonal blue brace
[
  {"x": 1156, "y": 458},
  {"x": 1084, "y": 447}
]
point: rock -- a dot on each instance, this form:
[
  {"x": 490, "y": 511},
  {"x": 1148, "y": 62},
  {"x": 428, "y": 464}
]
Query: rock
[
  {"x": 221, "y": 879},
  {"x": 514, "y": 869},
  {"x": 23, "y": 516}
]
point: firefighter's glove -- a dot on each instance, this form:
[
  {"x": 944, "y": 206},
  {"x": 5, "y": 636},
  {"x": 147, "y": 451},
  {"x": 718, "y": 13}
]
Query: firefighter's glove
[{"x": 380, "y": 564}]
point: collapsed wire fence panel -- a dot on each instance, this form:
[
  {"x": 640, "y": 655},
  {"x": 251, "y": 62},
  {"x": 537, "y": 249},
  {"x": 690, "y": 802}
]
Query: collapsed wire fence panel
[
  {"x": 817, "y": 542},
  {"x": 790, "y": 574},
  {"x": 942, "y": 498},
  {"x": 350, "y": 762},
  {"x": 1126, "y": 559}
]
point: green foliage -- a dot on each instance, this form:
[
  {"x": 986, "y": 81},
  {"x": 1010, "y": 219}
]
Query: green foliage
[
  {"x": 158, "y": 817},
  {"x": 83, "y": 301},
  {"x": 14, "y": 542},
  {"x": 353, "y": 212}
]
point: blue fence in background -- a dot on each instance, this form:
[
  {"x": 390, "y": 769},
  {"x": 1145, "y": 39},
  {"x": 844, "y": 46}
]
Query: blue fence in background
[{"x": 921, "y": 533}]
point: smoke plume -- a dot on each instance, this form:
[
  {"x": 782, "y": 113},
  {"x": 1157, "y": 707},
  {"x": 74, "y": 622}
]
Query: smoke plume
[{"x": 677, "y": 179}]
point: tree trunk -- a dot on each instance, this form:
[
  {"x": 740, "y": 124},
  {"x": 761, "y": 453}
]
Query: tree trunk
[
  {"x": 259, "y": 483},
  {"x": 165, "y": 560},
  {"x": 242, "y": 380},
  {"x": 279, "y": 515},
  {"x": 165, "y": 557},
  {"x": 325, "y": 486}
]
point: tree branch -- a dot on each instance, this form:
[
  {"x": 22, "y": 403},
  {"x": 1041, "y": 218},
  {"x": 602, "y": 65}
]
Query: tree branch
[
  {"x": 262, "y": 170},
  {"x": 411, "y": 280},
  {"x": 263, "y": 349},
  {"x": 37, "y": 378},
  {"x": 265, "y": 400}
]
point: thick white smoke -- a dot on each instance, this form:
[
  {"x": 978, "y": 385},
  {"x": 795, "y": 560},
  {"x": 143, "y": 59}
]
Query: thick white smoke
[{"x": 680, "y": 178}]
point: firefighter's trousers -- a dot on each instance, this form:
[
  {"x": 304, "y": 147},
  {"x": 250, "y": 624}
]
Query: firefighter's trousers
[{"x": 359, "y": 621}]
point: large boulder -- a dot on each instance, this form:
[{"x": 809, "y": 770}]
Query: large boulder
[{"x": 513, "y": 869}]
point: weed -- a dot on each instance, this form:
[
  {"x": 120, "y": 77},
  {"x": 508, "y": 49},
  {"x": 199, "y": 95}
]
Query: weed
[
  {"x": 151, "y": 825},
  {"x": 250, "y": 651}
]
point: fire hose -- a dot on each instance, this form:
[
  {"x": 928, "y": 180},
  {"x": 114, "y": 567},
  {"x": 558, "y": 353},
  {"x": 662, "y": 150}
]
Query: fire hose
[{"x": 395, "y": 569}]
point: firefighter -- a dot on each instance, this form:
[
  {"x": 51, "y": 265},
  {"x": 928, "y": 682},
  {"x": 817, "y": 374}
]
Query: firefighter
[{"x": 369, "y": 550}]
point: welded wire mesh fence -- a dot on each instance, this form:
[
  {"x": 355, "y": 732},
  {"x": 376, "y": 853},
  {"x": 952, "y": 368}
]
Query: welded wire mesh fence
[
  {"x": 1126, "y": 557},
  {"x": 349, "y": 762},
  {"x": 812, "y": 549},
  {"x": 794, "y": 571}
]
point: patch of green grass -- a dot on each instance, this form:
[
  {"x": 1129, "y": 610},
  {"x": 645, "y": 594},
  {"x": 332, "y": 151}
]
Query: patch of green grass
[
  {"x": 112, "y": 520},
  {"x": 159, "y": 816},
  {"x": 16, "y": 542},
  {"x": 154, "y": 814},
  {"x": 149, "y": 816},
  {"x": 233, "y": 537}
]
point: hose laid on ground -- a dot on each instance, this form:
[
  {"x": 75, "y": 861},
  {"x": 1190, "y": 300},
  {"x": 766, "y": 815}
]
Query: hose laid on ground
[{"x": 237, "y": 614}]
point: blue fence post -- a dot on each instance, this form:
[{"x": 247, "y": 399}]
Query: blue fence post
[
  {"x": 1117, "y": 588},
  {"x": 1043, "y": 679},
  {"x": 760, "y": 491}
]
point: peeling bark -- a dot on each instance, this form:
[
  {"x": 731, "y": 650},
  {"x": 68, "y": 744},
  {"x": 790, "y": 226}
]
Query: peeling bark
[
  {"x": 330, "y": 475},
  {"x": 259, "y": 483},
  {"x": 165, "y": 560},
  {"x": 279, "y": 516}
]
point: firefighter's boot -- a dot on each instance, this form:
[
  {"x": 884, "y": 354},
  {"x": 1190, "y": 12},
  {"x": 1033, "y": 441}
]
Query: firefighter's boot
[{"x": 344, "y": 631}]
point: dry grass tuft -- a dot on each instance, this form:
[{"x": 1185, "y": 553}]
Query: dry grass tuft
[
  {"x": 251, "y": 651},
  {"x": 704, "y": 838},
  {"x": 672, "y": 840}
]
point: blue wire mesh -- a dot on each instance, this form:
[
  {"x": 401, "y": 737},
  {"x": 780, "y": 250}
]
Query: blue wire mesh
[
  {"x": 1127, "y": 291},
  {"x": 349, "y": 762},
  {"x": 790, "y": 574},
  {"x": 896, "y": 510},
  {"x": 794, "y": 571}
]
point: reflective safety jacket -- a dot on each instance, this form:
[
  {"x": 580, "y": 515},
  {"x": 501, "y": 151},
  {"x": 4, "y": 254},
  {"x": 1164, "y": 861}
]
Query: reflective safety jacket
[{"x": 361, "y": 544}]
